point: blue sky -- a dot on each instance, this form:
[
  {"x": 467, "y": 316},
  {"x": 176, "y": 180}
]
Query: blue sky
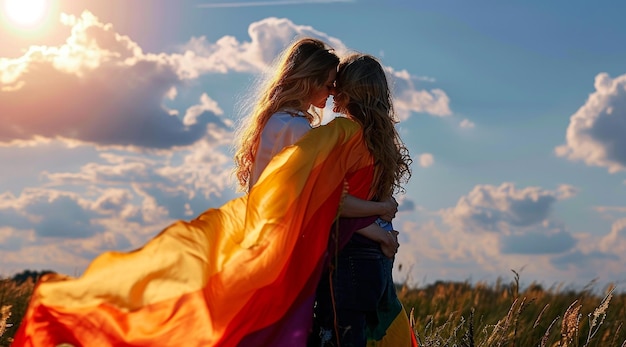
[{"x": 119, "y": 116}]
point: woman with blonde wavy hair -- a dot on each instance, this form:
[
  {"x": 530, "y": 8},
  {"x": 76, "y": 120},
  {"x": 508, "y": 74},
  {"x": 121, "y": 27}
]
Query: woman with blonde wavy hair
[
  {"x": 286, "y": 106},
  {"x": 356, "y": 298}
]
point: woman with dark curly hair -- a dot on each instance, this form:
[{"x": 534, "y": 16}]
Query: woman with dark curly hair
[{"x": 356, "y": 297}]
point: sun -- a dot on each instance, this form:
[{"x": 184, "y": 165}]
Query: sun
[{"x": 25, "y": 13}]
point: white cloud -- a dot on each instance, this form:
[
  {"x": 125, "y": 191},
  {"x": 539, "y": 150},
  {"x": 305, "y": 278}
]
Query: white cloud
[
  {"x": 426, "y": 160},
  {"x": 610, "y": 208},
  {"x": 494, "y": 229},
  {"x": 206, "y": 105},
  {"x": 505, "y": 222},
  {"x": 99, "y": 88},
  {"x": 200, "y": 179},
  {"x": 410, "y": 99},
  {"x": 615, "y": 241},
  {"x": 598, "y": 255},
  {"x": 499, "y": 209},
  {"x": 596, "y": 131},
  {"x": 120, "y": 204},
  {"x": 268, "y": 37},
  {"x": 51, "y": 214},
  {"x": 609, "y": 211},
  {"x": 467, "y": 124}
]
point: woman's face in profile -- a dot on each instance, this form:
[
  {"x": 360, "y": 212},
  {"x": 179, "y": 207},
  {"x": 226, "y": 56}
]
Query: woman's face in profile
[
  {"x": 340, "y": 100},
  {"x": 320, "y": 95}
]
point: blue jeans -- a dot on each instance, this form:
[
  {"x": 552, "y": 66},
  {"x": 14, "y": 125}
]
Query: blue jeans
[{"x": 350, "y": 292}]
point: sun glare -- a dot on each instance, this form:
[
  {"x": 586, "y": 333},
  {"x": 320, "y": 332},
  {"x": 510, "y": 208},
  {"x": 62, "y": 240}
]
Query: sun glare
[{"x": 25, "y": 12}]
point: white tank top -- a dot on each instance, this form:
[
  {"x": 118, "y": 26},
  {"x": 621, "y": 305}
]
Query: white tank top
[{"x": 282, "y": 129}]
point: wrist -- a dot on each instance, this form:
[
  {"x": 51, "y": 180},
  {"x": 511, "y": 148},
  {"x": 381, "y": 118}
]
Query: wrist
[
  {"x": 384, "y": 237},
  {"x": 382, "y": 208}
]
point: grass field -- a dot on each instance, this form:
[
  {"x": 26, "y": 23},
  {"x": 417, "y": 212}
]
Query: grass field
[
  {"x": 501, "y": 314},
  {"x": 463, "y": 314}
]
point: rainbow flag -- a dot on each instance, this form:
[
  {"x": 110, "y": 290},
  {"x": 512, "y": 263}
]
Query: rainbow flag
[
  {"x": 394, "y": 328},
  {"x": 243, "y": 274}
]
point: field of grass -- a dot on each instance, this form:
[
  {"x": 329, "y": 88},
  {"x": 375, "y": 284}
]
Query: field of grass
[
  {"x": 502, "y": 314},
  {"x": 13, "y": 302},
  {"x": 457, "y": 314}
]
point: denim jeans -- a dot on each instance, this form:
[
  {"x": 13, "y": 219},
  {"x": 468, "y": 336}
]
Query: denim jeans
[{"x": 350, "y": 292}]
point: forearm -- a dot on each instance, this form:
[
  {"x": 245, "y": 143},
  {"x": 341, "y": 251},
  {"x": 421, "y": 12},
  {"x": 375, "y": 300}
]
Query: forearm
[
  {"x": 388, "y": 240},
  {"x": 354, "y": 207},
  {"x": 374, "y": 232}
]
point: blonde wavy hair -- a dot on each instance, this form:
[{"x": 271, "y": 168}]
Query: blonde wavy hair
[
  {"x": 362, "y": 93},
  {"x": 300, "y": 69}
]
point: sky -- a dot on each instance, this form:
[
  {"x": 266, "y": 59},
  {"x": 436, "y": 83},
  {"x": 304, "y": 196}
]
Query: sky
[{"x": 118, "y": 118}]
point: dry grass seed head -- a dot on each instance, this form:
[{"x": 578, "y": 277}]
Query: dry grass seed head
[
  {"x": 5, "y": 313},
  {"x": 599, "y": 312},
  {"x": 569, "y": 327}
]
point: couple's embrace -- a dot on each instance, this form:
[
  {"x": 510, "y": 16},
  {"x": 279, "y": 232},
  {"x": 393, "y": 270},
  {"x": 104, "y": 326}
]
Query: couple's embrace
[{"x": 303, "y": 258}]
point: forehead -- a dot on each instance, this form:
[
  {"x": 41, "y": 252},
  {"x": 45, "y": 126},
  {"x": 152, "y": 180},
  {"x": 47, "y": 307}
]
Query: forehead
[{"x": 332, "y": 75}]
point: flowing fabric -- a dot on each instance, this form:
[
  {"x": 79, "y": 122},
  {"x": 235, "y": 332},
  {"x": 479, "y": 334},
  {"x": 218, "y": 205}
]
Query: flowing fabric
[{"x": 227, "y": 276}]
